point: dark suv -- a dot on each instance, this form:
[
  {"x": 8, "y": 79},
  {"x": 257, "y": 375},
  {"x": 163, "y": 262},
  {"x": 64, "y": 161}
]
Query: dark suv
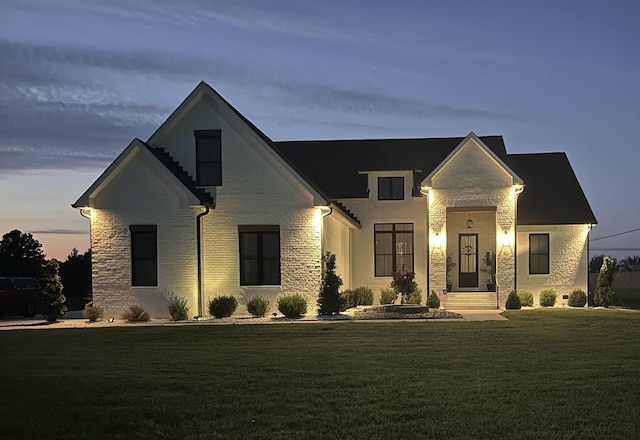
[{"x": 19, "y": 294}]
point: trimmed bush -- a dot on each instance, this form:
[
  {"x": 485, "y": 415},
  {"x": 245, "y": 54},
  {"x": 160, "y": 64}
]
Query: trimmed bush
[
  {"x": 92, "y": 313},
  {"x": 222, "y": 306},
  {"x": 433, "y": 301},
  {"x": 178, "y": 308},
  {"x": 258, "y": 306},
  {"x": 136, "y": 314},
  {"x": 548, "y": 298},
  {"x": 360, "y": 296},
  {"x": 513, "y": 301},
  {"x": 388, "y": 296},
  {"x": 292, "y": 306},
  {"x": 577, "y": 298},
  {"x": 414, "y": 297},
  {"x": 526, "y": 298}
]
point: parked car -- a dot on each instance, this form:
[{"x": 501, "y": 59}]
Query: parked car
[{"x": 19, "y": 294}]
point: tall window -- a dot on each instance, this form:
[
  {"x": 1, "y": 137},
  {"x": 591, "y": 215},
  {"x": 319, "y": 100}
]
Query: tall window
[
  {"x": 208, "y": 158},
  {"x": 393, "y": 248},
  {"x": 538, "y": 253},
  {"x": 390, "y": 188},
  {"x": 144, "y": 255},
  {"x": 259, "y": 255}
]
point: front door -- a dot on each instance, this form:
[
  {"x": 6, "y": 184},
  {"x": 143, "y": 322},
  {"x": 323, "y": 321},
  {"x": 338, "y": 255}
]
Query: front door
[{"x": 468, "y": 260}]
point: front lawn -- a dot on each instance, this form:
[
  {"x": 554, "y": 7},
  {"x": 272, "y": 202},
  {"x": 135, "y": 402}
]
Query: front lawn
[{"x": 546, "y": 374}]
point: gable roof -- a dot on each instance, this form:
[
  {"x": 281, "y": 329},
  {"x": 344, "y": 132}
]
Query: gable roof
[
  {"x": 472, "y": 138},
  {"x": 552, "y": 194},
  {"x": 137, "y": 146}
]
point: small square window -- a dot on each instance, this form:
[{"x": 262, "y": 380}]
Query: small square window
[{"x": 390, "y": 188}]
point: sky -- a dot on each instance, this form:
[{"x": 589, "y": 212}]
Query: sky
[{"x": 80, "y": 79}]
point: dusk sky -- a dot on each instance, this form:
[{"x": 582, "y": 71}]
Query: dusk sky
[{"x": 80, "y": 79}]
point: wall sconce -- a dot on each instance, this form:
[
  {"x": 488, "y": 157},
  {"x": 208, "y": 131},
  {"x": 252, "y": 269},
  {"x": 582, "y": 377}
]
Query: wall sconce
[
  {"x": 505, "y": 239},
  {"x": 437, "y": 240}
]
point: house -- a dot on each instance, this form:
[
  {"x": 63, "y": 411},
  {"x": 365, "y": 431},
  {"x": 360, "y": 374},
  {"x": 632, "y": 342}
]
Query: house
[{"x": 209, "y": 206}]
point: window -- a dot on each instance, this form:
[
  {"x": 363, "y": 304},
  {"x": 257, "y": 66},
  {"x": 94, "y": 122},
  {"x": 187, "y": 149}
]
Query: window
[
  {"x": 208, "y": 157},
  {"x": 394, "y": 248},
  {"x": 144, "y": 255},
  {"x": 538, "y": 253},
  {"x": 390, "y": 188},
  {"x": 259, "y": 255}
]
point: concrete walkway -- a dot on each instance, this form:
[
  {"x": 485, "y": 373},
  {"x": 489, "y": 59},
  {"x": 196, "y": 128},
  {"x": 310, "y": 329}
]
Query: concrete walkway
[{"x": 74, "y": 319}]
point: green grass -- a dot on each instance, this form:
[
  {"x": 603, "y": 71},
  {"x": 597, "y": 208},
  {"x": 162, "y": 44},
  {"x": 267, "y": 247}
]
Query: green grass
[
  {"x": 628, "y": 297},
  {"x": 546, "y": 374}
]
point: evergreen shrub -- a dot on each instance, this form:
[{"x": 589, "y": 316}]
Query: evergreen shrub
[{"x": 222, "y": 306}]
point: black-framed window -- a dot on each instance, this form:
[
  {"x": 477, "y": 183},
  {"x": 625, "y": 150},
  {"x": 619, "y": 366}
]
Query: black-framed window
[
  {"x": 390, "y": 188},
  {"x": 208, "y": 157},
  {"x": 538, "y": 253},
  {"x": 259, "y": 255},
  {"x": 144, "y": 255},
  {"x": 393, "y": 244}
]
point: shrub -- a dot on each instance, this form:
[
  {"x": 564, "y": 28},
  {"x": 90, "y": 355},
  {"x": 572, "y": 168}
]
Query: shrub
[
  {"x": 92, "y": 312},
  {"x": 388, "y": 296},
  {"x": 292, "y": 306},
  {"x": 513, "y": 301},
  {"x": 136, "y": 314},
  {"x": 414, "y": 297},
  {"x": 329, "y": 297},
  {"x": 178, "y": 308},
  {"x": 577, "y": 298},
  {"x": 605, "y": 295},
  {"x": 222, "y": 306},
  {"x": 258, "y": 306},
  {"x": 51, "y": 297},
  {"x": 404, "y": 283},
  {"x": 548, "y": 298},
  {"x": 360, "y": 296},
  {"x": 433, "y": 301},
  {"x": 526, "y": 298}
]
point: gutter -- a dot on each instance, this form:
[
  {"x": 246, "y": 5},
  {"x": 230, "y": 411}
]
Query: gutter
[{"x": 199, "y": 259}]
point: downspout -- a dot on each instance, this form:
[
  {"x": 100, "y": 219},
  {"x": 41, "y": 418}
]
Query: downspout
[
  {"x": 516, "y": 195},
  {"x": 588, "y": 254},
  {"x": 425, "y": 193},
  {"x": 89, "y": 216},
  {"x": 199, "y": 258}
]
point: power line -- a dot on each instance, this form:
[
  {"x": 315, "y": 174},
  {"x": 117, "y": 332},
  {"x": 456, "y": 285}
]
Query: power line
[{"x": 615, "y": 235}]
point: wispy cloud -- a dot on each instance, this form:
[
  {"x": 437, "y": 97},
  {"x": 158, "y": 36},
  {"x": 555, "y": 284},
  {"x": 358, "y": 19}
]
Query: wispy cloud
[{"x": 60, "y": 231}]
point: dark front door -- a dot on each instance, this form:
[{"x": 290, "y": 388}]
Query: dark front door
[{"x": 468, "y": 260}]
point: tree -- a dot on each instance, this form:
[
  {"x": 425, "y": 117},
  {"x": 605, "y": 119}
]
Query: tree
[
  {"x": 75, "y": 273},
  {"x": 20, "y": 255},
  {"x": 52, "y": 299},
  {"x": 404, "y": 283},
  {"x": 329, "y": 296},
  {"x": 596, "y": 263},
  {"x": 629, "y": 264},
  {"x": 604, "y": 294}
]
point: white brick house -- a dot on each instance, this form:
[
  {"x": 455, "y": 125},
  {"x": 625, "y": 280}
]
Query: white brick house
[{"x": 209, "y": 205}]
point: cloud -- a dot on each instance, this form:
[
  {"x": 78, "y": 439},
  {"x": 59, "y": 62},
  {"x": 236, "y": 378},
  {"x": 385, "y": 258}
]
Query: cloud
[{"x": 60, "y": 231}]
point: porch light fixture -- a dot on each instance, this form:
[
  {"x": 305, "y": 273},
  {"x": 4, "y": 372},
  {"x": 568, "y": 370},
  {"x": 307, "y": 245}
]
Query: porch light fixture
[{"x": 470, "y": 223}]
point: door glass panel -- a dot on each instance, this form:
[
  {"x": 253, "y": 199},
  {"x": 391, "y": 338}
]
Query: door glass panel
[{"x": 468, "y": 258}]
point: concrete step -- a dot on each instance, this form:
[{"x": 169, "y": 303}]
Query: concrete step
[{"x": 470, "y": 301}]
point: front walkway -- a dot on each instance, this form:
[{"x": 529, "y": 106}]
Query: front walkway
[{"x": 74, "y": 319}]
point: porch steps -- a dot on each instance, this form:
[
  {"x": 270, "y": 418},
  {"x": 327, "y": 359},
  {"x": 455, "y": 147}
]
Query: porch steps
[{"x": 471, "y": 301}]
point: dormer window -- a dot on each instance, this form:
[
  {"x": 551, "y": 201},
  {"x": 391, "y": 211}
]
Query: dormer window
[
  {"x": 208, "y": 157},
  {"x": 390, "y": 188}
]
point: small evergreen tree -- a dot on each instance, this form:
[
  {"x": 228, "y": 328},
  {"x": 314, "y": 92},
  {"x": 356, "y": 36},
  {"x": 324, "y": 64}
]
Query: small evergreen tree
[
  {"x": 513, "y": 301},
  {"x": 329, "y": 296},
  {"x": 605, "y": 295},
  {"x": 433, "y": 301},
  {"x": 52, "y": 299},
  {"x": 405, "y": 284}
]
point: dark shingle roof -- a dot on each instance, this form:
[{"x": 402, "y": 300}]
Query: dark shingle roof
[
  {"x": 552, "y": 193},
  {"x": 334, "y": 165},
  {"x": 175, "y": 169}
]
